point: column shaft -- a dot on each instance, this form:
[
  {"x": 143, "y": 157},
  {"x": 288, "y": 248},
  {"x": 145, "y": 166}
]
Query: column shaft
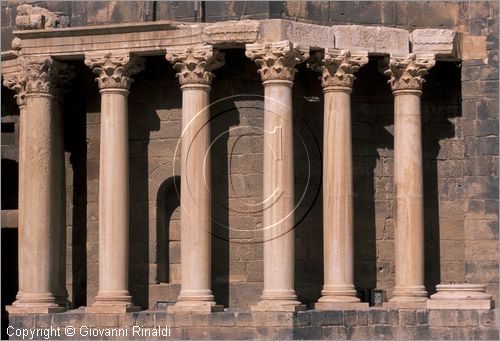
[
  {"x": 39, "y": 235},
  {"x": 277, "y": 63},
  {"x": 195, "y": 66},
  {"x": 42, "y": 204},
  {"x": 195, "y": 195},
  {"x": 337, "y": 199},
  {"x": 337, "y": 69},
  {"x": 113, "y": 198},
  {"x": 406, "y": 81},
  {"x": 408, "y": 184},
  {"x": 114, "y": 73},
  {"x": 278, "y": 212}
]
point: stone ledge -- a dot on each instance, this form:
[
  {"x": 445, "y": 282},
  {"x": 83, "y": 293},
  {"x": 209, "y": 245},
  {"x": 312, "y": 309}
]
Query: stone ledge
[{"x": 375, "y": 323}]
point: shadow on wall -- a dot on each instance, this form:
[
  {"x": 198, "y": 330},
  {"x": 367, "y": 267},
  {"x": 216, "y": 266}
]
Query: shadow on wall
[
  {"x": 443, "y": 178},
  {"x": 167, "y": 201},
  {"x": 372, "y": 145},
  {"x": 75, "y": 108},
  {"x": 308, "y": 145},
  {"x": 147, "y": 97}
]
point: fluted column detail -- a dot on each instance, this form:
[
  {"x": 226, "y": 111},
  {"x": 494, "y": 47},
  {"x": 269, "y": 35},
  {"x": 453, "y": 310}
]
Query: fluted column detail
[
  {"x": 277, "y": 66},
  {"x": 42, "y": 188},
  {"x": 114, "y": 73},
  {"x": 337, "y": 69},
  {"x": 406, "y": 79},
  {"x": 195, "y": 66}
]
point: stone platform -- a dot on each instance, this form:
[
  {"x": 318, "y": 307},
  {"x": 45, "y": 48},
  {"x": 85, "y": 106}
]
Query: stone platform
[{"x": 375, "y": 323}]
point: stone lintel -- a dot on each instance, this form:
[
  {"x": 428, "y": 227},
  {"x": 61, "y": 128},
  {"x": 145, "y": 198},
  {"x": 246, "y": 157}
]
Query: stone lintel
[
  {"x": 376, "y": 40},
  {"x": 141, "y": 39},
  {"x": 440, "y": 42},
  {"x": 152, "y": 38},
  {"x": 232, "y": 33}
]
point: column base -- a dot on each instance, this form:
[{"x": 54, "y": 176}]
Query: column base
[
  {"x": 278, "y": 306},
  {"x": 34, "y": 304},
  {"x": 33, "y": 308},
  {"x": 195, "y": 307},
  {"x": 405, "y": 304},
  {"x": 460, "y": 296},
  {"x": 340, "y": 305},
  {"x": 408, "y": 297},
  {"x": 460, "y": 304},
  {"x": 115, "y": 302},
  {"x": 112, "y": 309},
  {"x": 336, "y": 297}
]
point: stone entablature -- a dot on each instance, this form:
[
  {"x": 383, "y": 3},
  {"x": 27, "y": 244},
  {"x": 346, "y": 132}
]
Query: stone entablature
[{"x": 155, "y": 37}]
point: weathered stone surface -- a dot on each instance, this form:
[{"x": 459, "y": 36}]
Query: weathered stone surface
[
  {"x": 309, "y": 35},
  {"x": 440, "y": 42},
  {"x": 377, "y": 40},
  {"x": 229, "y": 33}
]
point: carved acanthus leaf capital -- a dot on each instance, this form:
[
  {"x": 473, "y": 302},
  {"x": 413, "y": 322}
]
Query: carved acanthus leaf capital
[
  {"x": 407, "y": 72},
  {"x": 114, "y": 70},
  {"x": 195, "y": 64},
  {"x": 277, "y": 61},
  {"x": 45, "y": 75},
  {"x": 337, "y": 67},
  {"x": 16, "y": 81}
]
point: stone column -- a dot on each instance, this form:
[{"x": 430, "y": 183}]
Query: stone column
[
  {"x": 195, "y": 66},
  {"x": 338, "y": 68},
  {"x": 277, "y": 63},
  {"x": 114, "y": 73},
  {"x": 17, "y": 81},
  {"x": 406, "y": 82},
  {"x": 42, "y": 226}
]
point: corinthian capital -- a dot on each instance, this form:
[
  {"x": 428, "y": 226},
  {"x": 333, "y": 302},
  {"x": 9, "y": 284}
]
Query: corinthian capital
[
  {"x": 16, "y": 81},
  {"x": 277, "y": 61},
  {"x": 407, "y": 72},
  {"x": 39, "y": 74},
  {"x": 337, "y": 67},
  {"x": 195, "y": 64},
  {"x": 114, "y": 70}
]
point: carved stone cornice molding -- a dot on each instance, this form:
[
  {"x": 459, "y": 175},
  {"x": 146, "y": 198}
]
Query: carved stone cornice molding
[
  {"x": 195, "y": 64},
  {"x": 337, "y": 67},
  {"x": 277, "y": 61},
  {"x": 114, "y": 70},
  {"x": 407, "y": 72}
]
